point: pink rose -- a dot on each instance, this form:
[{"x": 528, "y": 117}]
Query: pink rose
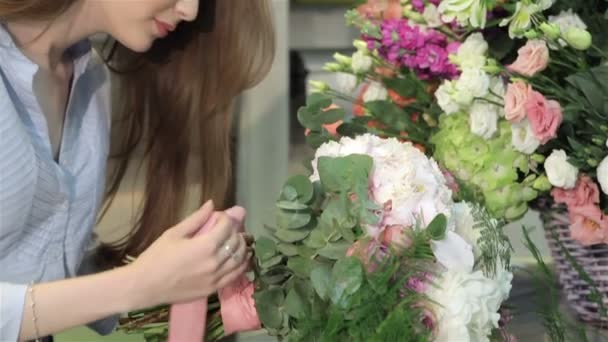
[
  {"x": 585, "y": 192},
  {"x": 545, "y": 116},
  {"x": 588, "y": 226},
  {"x": 532, "y": 58},
  {"x": 515, "y": 101},
  {"x": 396, "y": 237}
]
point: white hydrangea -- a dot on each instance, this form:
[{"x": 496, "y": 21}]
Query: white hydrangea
[{"x": 467, "y": 304}]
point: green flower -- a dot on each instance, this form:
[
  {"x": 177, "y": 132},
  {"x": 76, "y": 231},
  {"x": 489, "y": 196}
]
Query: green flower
[
  {"x": 521, "y": 20},
  {"x": 578, "y": 38}
]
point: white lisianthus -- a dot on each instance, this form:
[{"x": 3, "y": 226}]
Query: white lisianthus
[
  {"x": 347, "y": 83},
  {"x": 523, "y": 138},
  {"x": 474, "y": 12},
  {"x": 566, "y": 20},
  {"x": 472, "y": 53},
  {"x": 602, "y": 175},
  {"x": 560, "y": 172},
  {"x": 431, "y": 16},
  {"x": 473, "y": 82},
  {"x": 498, "y": 90},
  {"x": 521, "y": 20},
  {"x": 484, "y": 119},
  {"x": 467, "y": 304},
  {"x": 361, "y": 62},
  {"x": 375, "y": 92},
  {"x": 445, "y": 97},
  {"x": 454, "y": 253}
]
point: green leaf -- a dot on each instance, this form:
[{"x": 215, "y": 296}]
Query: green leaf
[
  {"x": 318, "y": 101},
  {"x": 289, "y": 193},
  {"x": 389, "y": 114},
  {"x": 268, "y": 263},
  {"x": 351, "y": 129},
  {"x": 347, "y": 276},
  {"x": 287, "y": 249},
  {"x": 438, "y": 227},
  {"x": 265, "y": 248},
  {"x": 333, "y": 115},
  {"x": 306, "y": 252},
  {"x": 594, "y": 84},
  {"x": 335, "y": 251},
  {"x": 291, "y": 236},
  {"x": 303, "y": 188},
  {"x": 315, "y": 139},
  {"x": 301, "y": 267},
  {"x": 500, "y": 45},
  {"x": 293, "y": 219},
  {"x": 286, "y": 205},
  {"x": 267, "y": 304},
  {"x": 317, "y": 239},
  {"x": 321, "y": 279},
  {"x": 341, "y": 174},
  {"x": 295, "y": 306}
]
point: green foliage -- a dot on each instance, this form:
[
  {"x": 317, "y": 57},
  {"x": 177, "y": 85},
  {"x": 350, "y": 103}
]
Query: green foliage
[{"x": 494, "y": 245}]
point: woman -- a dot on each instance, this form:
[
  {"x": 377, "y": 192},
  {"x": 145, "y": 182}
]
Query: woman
[{"x": 176, "y": 90}]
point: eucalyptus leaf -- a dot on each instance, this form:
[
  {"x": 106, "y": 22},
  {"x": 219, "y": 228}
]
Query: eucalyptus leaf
[
  {"x": 289, "y": 193},
  {"x": 316, "y": 239},
  {"x": 306, "y": 252},
  {"x": 351, "y": 129},
  {"x": 318, "y": 101},
  {"x": 303, "y": 187},
  {"x": 286, "y": 205},
  {"x": 265, "y": 248},
  {"x": 301, "y": 267},
  {"x": 287, "y": 249},
  {"x": 315, "y": 139},
  {"x": 347, "y": 276},
  {"x": 321, "y": 279},
  {"x": 291, "y": 236},
  {"x": 333, "y": 115},
  {"x": 335, "y": 251},
  {"x": 295, "y": 305},
  {"x": 293, "y": 219},
  {"x": 268, "y": 263},
  {"x": 437, "y": 228},
  {"x": 267, "y": 303}
]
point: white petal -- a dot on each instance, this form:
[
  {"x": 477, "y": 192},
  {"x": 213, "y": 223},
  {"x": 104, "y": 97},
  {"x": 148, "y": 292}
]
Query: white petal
[{"x": 454, "y": 253}]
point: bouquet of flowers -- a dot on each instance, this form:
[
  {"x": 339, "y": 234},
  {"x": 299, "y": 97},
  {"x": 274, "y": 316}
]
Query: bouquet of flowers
[{"x": 371, "y": 247}]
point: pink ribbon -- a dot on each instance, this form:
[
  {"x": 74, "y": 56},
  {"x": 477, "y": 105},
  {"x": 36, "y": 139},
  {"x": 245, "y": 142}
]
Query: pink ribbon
[{"x": 188, "y": 321}]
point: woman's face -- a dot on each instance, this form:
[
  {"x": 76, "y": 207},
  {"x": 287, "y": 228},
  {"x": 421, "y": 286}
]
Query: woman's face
[{"x": 138, "y": 23}]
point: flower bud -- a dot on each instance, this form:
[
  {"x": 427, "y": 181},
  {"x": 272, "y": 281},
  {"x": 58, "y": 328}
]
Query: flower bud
[
  {"x": 578, "y": 38},
  {"x": 550, "y": 30},
  {"x": 318, "y": 86}
]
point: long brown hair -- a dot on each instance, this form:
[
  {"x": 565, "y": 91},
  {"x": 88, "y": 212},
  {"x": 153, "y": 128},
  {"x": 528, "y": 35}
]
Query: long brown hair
[{"x": 175, "y": 106}]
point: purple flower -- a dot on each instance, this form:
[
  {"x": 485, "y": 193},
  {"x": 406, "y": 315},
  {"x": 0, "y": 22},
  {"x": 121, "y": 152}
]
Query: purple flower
[{"x": 424, "y": 51}]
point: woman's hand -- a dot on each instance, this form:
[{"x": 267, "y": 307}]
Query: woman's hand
[{"x": 182, "y": 266}]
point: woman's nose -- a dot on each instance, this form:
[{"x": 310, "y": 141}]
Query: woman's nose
[{"x": 187, "y": 10}]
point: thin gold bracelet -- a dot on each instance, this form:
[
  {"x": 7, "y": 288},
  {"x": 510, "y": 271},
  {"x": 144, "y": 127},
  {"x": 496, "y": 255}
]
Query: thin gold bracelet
[{"x": 33, "y": 306}]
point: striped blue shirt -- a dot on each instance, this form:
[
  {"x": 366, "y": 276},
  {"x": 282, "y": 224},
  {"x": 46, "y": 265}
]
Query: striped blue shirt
[{"x": 48, "y": 208}]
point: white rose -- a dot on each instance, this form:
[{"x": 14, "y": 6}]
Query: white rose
[
  {"x": 471, "y": 84},
  {"x": 483, "y": 119},
  {"x": 523, "y": 138},
  {"x": 347, "y": 83},
  {"x": 472, "y": 53},
  {"x": 431, "y": 16},
  {"x": 445, "y": 97},
  {"x": 565, "y": 20},
  {"x": 375, "y": 92},
  {"x": 561, "y": 174},
  {"x": 362, "y": 63},
  {"x": 602, "y": 175}
]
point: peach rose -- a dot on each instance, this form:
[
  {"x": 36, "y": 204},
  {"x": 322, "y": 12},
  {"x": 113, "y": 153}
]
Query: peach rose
[
  {"x": 515, "y": 101},
  {"x": 381, "y": 9},
  {"x": 589, "y": 225},
  {"x": 585, "y": 192},
  {"x": 545, "y": 116},
  {"x": 532, "y": 58}
]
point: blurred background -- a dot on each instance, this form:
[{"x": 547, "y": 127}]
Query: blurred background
[{"x": 269, "y": 138}]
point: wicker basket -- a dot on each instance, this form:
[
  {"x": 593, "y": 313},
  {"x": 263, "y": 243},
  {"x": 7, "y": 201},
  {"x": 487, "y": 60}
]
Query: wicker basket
[{"x": 593, "y": 259}]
